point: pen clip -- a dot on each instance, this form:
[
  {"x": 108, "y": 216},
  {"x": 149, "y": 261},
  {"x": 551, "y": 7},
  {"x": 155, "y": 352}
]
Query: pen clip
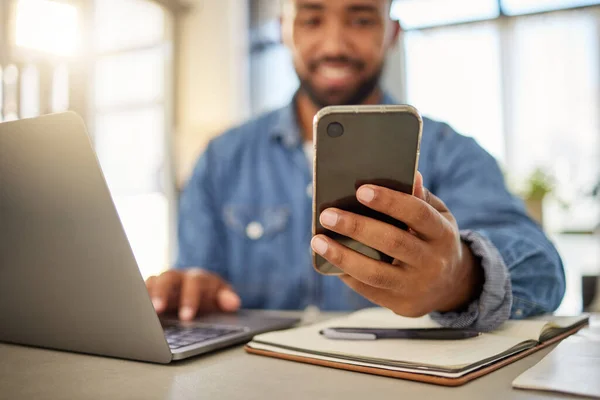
[{"x": 335, "y": 334}]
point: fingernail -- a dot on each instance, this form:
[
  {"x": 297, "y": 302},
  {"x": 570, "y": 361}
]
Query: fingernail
[
  {"x": 157, "y": 303},
  {"x": 230, "y": 300},
  {"x": 365, "y": 194},
  {"x": 319, "y": 245},
  {"x": 329, "y": 218},
  {"x": 186, "y": 313}
]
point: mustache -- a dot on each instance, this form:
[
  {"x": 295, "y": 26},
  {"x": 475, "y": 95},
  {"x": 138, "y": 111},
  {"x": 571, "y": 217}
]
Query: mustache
[{"x": 350, "y": 61}]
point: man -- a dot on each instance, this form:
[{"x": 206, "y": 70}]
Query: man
[{"x": 472, "y": 257}]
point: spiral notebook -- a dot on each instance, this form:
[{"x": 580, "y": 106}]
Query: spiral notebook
[{"x": 445, "y": 362}]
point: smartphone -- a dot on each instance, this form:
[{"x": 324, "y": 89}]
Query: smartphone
[{"x": 357, "y": 145}]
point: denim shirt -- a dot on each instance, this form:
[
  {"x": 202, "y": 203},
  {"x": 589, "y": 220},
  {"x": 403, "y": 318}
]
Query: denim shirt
[{"x": 245, "y": 215}]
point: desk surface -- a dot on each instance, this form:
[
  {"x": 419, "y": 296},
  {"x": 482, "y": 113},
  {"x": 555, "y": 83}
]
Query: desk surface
[{"x": 28, "y": 373}]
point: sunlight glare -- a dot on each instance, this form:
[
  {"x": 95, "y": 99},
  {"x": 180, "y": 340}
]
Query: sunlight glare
[{"x": 48, "y": 26}]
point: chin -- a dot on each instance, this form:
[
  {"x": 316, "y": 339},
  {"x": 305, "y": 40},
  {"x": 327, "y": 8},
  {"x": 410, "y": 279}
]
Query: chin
[
  {"x": 323, "y": 96},
  {"x": 335, "y": 99}
]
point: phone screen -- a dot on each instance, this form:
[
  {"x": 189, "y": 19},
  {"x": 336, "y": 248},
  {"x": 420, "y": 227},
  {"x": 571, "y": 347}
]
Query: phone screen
[{"x": 356, "y": 146}]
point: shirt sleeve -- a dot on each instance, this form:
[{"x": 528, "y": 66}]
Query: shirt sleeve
[
  {"x": 523, "y": 272},
  {"x": 199, "y": 228}
]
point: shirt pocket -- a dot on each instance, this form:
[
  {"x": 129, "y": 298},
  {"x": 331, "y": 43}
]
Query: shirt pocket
[
  {"x": 256, "y": 223},
  {"x": 259, "y": 251}
]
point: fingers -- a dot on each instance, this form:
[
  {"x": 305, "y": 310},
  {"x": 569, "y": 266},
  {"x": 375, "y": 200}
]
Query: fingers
[
  {"x": 418, "y": 214},
  {"x": 197, "y": 290},
  {"x": 164, "y": 290},
  {"x": 370, "y": 293},
  {"x": 150, "y": 283},
  {"x": 365, "y": 269},
  {"x": 191, "y": 292},
  {"x": 204, "y": 292},
  {"x": 399, "y": 304},
  {"x": 381, "y": 236},
  {"x": 228, "y": 300}
]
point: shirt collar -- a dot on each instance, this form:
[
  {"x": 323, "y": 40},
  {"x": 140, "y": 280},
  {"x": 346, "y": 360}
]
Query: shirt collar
[{"x": 286, "y": 127}]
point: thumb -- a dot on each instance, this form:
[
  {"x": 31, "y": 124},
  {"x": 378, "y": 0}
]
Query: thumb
[
  {"x": 228, "y": 300},
  {"x": 419, "y": 189}
]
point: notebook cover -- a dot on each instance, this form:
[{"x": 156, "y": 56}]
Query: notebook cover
[{"x": 436, "y": 380}]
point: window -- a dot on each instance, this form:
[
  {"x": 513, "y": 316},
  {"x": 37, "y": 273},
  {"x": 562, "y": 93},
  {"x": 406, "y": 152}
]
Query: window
[
  {"x": 1, "y": 95},
  {"x": 130, "y": 146},
  {"x": 423, "y": 13},
  {"x": 515, "y": 7},
  {"x": 455, "y": 76},
  {"x": 555, "y": 102},
  {"x": 129, "y": 78},
  {"x": 418, "y": 14},
  {"x": 131, "y": 122},
  {"x": 42, "y": 37},
  {"x": 273, "y": 87},
  {"x": 128, "y": 24},
  {"x": 48, "y": 26},
  {"x": 10, "y": 79},
  {"x": 515, "y": 86},
  {"x": 60, "y": 88},
  {"x": 30, "y": 92}
]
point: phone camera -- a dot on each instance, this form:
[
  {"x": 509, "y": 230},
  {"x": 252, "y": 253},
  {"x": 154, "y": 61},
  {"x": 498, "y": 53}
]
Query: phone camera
[{"x": 335, "y": 129}]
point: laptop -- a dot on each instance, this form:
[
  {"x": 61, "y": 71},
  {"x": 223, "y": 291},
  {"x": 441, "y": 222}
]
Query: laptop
[{"x": 68, "y": 277}]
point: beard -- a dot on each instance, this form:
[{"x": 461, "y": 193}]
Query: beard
[{"x": 341, "y": 97}]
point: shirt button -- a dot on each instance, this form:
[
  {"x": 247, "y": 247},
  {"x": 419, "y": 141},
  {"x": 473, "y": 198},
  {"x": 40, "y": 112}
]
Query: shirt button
[
  {"x": 309, "y": 190},
  {"x": 288, "y": 141},
  {"x": 519, "y": 313},
  {"x": 255, "y": 230}
]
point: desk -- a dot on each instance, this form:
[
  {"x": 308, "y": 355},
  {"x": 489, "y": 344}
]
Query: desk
[{"x": 28, "y": 373}]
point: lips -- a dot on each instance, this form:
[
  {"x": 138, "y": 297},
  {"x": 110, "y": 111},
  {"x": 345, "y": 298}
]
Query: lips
[
  {"x": 335, "y": 75},
  {"x": 335, "y": 72}
]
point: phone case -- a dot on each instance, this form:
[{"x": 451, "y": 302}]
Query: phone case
[{"x": 380, "y": 145}]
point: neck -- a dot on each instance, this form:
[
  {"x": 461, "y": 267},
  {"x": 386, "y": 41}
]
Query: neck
[{"x": 306, "y": 110}]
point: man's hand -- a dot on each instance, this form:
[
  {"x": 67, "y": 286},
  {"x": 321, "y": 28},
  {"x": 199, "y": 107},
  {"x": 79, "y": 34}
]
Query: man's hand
[
  {"x": 433, "y": 270},
  {"x": 191, "y": 292}
]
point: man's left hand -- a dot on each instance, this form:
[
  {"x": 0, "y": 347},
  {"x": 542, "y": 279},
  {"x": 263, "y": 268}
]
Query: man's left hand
[{"x": 433, "y": 270}]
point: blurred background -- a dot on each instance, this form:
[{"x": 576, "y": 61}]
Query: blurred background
[{"x": 156, "y": 79}]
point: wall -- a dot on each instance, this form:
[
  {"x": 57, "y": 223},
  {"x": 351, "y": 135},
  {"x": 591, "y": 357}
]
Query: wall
[{"x": 212, "y": 75}]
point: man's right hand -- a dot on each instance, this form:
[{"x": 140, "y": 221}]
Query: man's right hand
[{"x": 191, "y": 292}]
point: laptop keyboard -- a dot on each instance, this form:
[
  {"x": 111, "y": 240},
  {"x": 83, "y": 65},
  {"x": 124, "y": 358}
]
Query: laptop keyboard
[{"x": 181, "y": 336}]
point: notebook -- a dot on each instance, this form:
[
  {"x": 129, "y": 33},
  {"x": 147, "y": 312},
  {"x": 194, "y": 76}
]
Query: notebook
[
  {"x": 573, "y": 367},
  {"x": 448, "y": 362}
]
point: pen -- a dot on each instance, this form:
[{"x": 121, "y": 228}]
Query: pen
[{"x": 383, "y": 333}]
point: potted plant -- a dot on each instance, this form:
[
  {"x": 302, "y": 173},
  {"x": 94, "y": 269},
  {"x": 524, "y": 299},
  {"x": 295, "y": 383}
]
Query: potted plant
[
  {"x": 596, "y": 195},
  {"x": 538, "y": 185},
  {"x": 591, "y": 284}
]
